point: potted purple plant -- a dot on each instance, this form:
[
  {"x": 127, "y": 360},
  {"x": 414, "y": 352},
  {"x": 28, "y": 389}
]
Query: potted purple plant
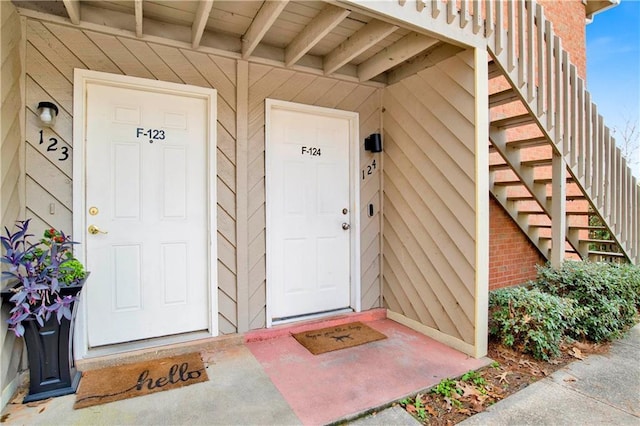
[{"x": 45, "y": 281}]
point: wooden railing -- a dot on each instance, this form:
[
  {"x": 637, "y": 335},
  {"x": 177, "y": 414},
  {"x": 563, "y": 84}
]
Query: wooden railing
[{"x": 522, "y": 41}]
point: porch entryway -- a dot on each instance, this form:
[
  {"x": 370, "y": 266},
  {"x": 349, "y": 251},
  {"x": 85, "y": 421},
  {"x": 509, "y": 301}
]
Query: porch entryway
[{"x": 272, "y": 379}]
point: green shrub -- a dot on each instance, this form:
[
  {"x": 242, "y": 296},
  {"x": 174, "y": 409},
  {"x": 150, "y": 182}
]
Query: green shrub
[
  {"x": 530, "y": 320},
  {"x": 608, "y": 294}
]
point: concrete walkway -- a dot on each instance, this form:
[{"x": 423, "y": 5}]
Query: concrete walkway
[
  {"x": 248, "y": 386},
  {"x": 602, "y": 389}
]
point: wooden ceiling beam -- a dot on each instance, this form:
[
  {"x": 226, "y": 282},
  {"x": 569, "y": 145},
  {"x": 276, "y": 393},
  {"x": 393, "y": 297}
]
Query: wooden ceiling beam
[
  {"x": 423, "y": 61},
  {"x": 200, "y": 22},
  {"x": 363, "y": 39},
  {"x": 402, "y": 50},
  {"x": 73, "y": 10},
  {"x": 138, "y": 14},
  {"x": 265, "y": 17},
  {"x": 320, "y": 26}
]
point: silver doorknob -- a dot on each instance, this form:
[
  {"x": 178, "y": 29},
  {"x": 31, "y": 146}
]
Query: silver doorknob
[
  {"x": 346, "y": 226},
  {"x": 94, "y": 230}
]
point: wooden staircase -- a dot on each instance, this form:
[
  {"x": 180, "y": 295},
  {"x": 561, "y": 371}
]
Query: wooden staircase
[{"x": 554, "y": 166}]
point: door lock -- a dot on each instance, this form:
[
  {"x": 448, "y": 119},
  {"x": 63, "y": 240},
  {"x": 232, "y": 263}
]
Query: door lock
[
  {"x": 94, "y": 230},
  {"x": 346, "y": 226}
]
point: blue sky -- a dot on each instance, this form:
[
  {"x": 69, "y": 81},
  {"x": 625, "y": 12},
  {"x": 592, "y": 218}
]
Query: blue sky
[{"x": 613, "y": 66}]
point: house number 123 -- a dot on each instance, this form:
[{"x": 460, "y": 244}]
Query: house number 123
[{"x": 53, "y": 147}]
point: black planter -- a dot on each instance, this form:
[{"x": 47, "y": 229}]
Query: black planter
[{"x": 52, "y": 369}]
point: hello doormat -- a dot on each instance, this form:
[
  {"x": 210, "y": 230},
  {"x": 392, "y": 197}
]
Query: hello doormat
[
  {"x": 130, "y": 380},
  {"x": 339, "y": 337}
]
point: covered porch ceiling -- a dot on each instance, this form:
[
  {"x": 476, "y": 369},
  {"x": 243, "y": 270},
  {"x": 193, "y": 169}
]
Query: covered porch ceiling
[{"x": 326, "y": 37}]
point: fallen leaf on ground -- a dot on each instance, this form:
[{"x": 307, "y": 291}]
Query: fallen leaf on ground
[
  {"x": 569, "y": 379},
  {"x": 503, "y": 377},
  {"x": 468, "y": 390},
  {"x": 576, "y": 353},
  {"x": 431, "y": 410}
]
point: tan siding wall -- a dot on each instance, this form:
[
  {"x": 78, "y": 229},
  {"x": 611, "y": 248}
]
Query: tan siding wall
[
  {"x": 429, "y": 197},
  {"x": 53, "y": 51},
  {"x": 11, "y": 100},
  {"x": 267, "y": 82}
]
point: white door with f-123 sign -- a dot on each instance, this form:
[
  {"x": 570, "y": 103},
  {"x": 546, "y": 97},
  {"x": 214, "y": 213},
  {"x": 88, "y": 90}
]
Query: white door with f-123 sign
[
  {"x": 149, "y": 207},
  {"x": 312, "y": 210}
]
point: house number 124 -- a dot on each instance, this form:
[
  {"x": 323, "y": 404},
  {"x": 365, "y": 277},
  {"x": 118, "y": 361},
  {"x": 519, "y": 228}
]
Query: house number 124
[{"x": 367, "y": 171}]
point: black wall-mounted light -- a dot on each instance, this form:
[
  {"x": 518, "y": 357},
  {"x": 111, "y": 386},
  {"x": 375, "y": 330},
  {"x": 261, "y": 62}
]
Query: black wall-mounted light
[
  {"x": 373, "y": 143},
  {"x": 47, "y": 113}
]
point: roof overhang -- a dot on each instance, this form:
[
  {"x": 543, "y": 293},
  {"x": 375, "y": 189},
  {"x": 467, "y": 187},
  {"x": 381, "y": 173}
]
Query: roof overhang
[{"x": 593, "y": 7}]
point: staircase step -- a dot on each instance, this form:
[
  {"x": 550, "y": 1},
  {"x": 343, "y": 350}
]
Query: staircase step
[
  {"x": 528, "y": 143},
  {"x": 596, "y": 241},
  {"x": 520, "y": 198},
  {"x": 606, "y": 253},
  {"x": 502, "y": 98},
  {"x": 588, "y": 227},
  {"x": 494, "y": 70},
  {"x": 532, "y": 212},
  {"x": 516, "y": 182},
  {"x": 537, "y": 162},
  {"x": 515, "y": 121},
  {"x": 499, "y": 166}
]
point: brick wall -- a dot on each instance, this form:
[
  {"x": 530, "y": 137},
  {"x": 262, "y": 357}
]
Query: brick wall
[{"x": 512, "y": 257}]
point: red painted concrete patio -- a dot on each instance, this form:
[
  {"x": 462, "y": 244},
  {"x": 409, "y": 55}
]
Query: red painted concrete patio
[{"x": 336, "y": 385}]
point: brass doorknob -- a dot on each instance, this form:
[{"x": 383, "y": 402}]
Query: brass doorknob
[{"x": 94, "y": 230}]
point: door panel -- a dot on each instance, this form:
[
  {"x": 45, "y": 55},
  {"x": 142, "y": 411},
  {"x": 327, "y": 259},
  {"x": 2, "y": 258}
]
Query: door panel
[
  {"x": 309, "y": 253},
  {"x": 146, "y": 162}
]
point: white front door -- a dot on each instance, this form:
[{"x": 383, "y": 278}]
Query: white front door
[
  {"x": 147, "y": 195},
  {"x": 310, "y": 209}
]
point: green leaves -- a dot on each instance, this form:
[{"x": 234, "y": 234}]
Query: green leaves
[
  {"x": 532, "y": 321},
  {"x": 582, "y": 300}
]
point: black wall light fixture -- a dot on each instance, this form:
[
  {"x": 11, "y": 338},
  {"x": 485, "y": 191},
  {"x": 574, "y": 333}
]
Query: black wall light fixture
[
  {"x": 47, "y": 113},
  {"x": 373, "y": 143}
]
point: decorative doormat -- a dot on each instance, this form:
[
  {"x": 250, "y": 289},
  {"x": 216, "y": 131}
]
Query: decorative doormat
[
  {"x": 343, "y": 336},
  {"x": 130, "y": 380}
]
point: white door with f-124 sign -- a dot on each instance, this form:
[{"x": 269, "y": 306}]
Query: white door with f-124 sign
[
  {"x": 312, "y": 210},
  {"x": 148, "y": 209}
]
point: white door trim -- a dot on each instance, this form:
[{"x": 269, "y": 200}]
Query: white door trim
[
  {"x": 354, "y": 193},
  {"x": 81, "y": 79}
]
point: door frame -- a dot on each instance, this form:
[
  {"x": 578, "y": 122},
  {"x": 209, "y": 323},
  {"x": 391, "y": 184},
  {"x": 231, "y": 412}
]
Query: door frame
[
  {"x": 354, "y": 195},
  {"x": 82, "y": 78}
]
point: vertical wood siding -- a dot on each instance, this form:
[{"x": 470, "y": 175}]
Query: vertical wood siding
[
  {"x": 11, "y": 100},
  {"x": 52, "y": 52},
  {"x": 267, "y": 82},
  {"x": 430, "y": 197}
]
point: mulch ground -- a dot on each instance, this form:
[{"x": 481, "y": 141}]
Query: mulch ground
[{"x": 511, "y": 372}]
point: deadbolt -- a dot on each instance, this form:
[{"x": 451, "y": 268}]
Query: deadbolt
[
  {"x": 345, "y": 211},
  {"x": 93, "y": 211}
]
